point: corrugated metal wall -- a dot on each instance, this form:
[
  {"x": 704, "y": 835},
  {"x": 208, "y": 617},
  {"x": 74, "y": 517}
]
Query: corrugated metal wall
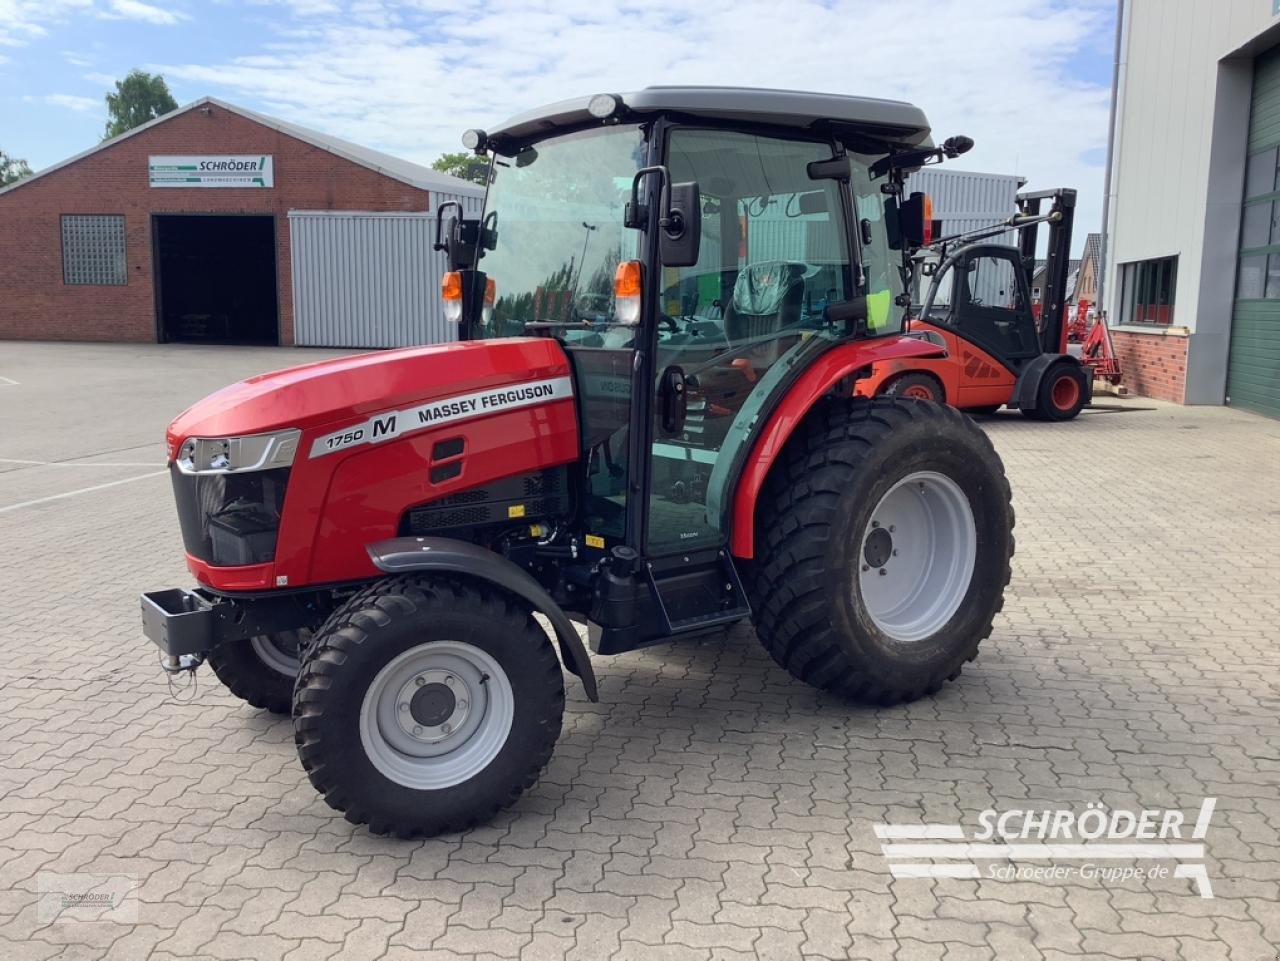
[
  {"x": 366, "y": 279},
  {"x": 963, "y": 200}
]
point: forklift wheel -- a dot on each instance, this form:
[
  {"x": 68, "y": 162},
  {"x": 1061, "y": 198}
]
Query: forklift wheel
[
  {"x": 261, "y": 671},
  {"x": 426, "y": 705},
  {"x": 884, "y": 547},
  {"x": 917, "y": 387},
  {"x": 1062, "y": 393}
]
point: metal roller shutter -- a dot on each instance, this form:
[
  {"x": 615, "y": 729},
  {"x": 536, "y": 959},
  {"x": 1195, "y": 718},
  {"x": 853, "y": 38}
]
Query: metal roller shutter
[{"x": 1253, "y": 367}]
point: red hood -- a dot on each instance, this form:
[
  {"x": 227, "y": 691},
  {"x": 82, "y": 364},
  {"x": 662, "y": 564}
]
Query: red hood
[{"x": 312, "y": 396}]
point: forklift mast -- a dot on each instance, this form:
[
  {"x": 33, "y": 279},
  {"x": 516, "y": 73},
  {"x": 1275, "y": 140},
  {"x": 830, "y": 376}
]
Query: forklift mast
[{"x": 1053, "y": 327}]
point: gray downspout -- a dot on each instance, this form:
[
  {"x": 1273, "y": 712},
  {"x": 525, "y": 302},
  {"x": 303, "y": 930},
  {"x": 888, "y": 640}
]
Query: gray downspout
[{"x": 1104, "y": 241}]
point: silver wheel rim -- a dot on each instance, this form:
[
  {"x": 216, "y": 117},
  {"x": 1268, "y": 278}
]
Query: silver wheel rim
[
  {"x": 437, "y": 715},
  {"x": 279, "y": 652},
  {"x": 916, "y": 556}
]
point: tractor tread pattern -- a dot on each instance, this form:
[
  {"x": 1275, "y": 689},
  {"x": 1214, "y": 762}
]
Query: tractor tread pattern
[
  {"x": 798, "y": 507},
  {"x": 351, "y": 626},
  {"x": 242, "y": 672}
]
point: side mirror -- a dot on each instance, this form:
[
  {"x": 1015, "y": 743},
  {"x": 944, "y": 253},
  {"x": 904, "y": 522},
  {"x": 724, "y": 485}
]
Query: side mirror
[
  {"x": 681, "y": 226},
  {"x": 461, "y": 242}
]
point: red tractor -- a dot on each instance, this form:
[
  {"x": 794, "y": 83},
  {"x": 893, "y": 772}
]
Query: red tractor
[
  {"x": 999, "y": 349},
  {"x": 646, "y": 425}
]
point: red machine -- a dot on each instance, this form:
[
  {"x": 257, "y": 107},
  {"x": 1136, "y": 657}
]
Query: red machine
[
  {"x": 1000, "y": 351},
  {"x": 373, "y": 536}
]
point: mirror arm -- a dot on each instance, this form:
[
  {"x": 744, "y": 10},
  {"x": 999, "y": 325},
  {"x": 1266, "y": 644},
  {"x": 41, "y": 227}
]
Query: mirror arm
[
  {"x": 637, "y": 214},
  {"x": 441, "y": 244}
]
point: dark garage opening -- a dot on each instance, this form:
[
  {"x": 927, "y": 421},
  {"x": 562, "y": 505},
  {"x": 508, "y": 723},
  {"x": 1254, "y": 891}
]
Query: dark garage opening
[{"x": 216, "y": 279}]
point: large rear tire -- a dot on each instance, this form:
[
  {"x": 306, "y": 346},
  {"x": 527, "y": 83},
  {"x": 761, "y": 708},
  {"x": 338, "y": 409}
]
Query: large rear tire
[
  {"x": 427, "y": 704},
  {"x": 261, "y": 671},
  {"x": 883, "y": 547}
]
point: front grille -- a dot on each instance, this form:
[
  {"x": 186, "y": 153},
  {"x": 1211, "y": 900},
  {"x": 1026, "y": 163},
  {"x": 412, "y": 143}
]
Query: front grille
[{"x": 229, "y": 520}]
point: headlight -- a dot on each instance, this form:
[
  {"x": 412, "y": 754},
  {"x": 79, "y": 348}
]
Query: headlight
[{"x": 226, "y": 455}]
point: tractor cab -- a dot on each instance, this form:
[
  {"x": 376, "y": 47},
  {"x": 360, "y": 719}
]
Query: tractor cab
[{"x": 694, "y": 250}]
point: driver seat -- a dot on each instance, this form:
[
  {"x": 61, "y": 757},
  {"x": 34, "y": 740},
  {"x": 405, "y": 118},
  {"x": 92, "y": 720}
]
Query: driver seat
[{"x": 767, "y": 298}]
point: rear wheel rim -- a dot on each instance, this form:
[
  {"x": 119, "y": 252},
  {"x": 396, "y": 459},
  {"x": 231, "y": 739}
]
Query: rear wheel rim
[
  {"x": 279, "y": 652},
  {"x": 919, "y": 392},
  {"x": 436, "y": 715},
  {"x": 917, "y": 556},
  {"x": 1065, "y": 393}
]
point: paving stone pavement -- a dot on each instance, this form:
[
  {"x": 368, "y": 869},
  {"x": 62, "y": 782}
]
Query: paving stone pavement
[{"x": 708, "y": 808}]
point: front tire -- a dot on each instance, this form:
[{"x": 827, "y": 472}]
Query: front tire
[
  {"x": 909, "y": 488},
  {"x": 426, "y": 705},
  {"x": 1062, "y": 393},
  {"x": 261, "y": 670}
]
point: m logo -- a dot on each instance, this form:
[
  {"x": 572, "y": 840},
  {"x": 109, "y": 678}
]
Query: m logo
[{"x": 383, "y": 427}]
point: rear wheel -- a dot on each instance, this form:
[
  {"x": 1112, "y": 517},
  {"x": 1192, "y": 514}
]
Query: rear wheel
[
  {"x": 1062, "y": 393},
  {"x": 261, "y": 670},
  {"x": 426, "y": 705},
  {"x": 883, "y": 551},
  {"x": 917, "y": 387}
]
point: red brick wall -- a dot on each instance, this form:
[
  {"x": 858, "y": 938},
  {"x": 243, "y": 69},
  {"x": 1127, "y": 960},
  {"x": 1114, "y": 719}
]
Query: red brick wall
[
  {"x": 36, "y": 305},
  {"x": 1154, "y": 364}
]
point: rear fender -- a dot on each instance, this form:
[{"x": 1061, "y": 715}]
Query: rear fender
[
  {"x": 826, "y": 373},
  {"x": 402, "y": 555}
]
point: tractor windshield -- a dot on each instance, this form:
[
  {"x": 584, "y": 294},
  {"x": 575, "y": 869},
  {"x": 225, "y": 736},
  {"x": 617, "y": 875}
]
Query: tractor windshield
[{"x": 556, "y": 210}]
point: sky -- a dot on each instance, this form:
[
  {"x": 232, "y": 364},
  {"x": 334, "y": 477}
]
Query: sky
[{"x": 1029, "y": 80}]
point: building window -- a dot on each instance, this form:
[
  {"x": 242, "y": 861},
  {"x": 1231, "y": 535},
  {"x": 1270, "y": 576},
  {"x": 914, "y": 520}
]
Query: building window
[
  {"x": 1258, "y": 276},
  {"x": 1146, "y": 291},
  {"x": 93, "y": 249}
]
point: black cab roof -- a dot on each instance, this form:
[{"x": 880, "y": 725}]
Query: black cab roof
[{"x": 892, "y": 121}]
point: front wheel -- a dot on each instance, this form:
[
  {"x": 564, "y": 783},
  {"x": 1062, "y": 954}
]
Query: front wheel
[
  {"x": 261, "y": 670},
  {"x": 885, "y": 537},
  {"x": 918, "y": 387},
  {"x": 1062, "y": 394},
  {"x": 426, "y": 705}
]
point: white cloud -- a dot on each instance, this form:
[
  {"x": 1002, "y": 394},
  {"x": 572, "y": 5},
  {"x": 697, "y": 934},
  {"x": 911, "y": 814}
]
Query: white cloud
[
  {"x": 409, "y": 76},
  {"x": 136, "y": 10},
  {"x": 69, "y": 101},
  {"x": 22, "y": 21}
]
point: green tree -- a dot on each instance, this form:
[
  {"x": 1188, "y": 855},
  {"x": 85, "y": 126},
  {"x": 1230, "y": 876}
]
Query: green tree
[
  {"x": 12, "y": 169},
  {"x": 139, "y": 97},
  {"x": 465, "y": 165}
]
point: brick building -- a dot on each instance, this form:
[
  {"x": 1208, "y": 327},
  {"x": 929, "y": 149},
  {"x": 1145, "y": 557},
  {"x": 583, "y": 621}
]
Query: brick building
[{"x": 179, "y": 230}]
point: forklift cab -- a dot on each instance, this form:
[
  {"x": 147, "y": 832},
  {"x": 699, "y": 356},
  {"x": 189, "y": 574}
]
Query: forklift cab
[
  {"x": 692, "y": 268},
  {"x": 981, "y": 292}
]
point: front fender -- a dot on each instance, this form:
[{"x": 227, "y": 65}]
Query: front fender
[
  {"x": 824, "y": 374},
  {"x": 400, "y": 555}
]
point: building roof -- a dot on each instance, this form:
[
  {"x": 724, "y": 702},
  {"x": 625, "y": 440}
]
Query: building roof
[
  {"x": 891, "y": 119},
  {"x": 1073, "y": 271},
  {"x": 397, "y": 168}
]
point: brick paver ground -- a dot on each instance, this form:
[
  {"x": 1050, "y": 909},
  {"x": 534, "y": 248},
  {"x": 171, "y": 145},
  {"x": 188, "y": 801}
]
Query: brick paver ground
[{"x": 708, "y": 807}]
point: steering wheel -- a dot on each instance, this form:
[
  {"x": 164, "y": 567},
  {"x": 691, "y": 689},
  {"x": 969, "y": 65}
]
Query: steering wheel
[{"x": 670, "y": 322}]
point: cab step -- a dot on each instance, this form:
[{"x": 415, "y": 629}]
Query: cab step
[{"x": 697, "y": 591}]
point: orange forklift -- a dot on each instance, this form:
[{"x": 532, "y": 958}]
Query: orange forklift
[{"x": 978, "y": 307}]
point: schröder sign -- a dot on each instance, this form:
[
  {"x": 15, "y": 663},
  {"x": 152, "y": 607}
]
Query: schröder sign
[{"x": 211, "y": 171}]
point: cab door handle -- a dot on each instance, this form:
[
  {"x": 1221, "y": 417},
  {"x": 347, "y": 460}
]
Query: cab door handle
[{"x": 673, "y": 400}]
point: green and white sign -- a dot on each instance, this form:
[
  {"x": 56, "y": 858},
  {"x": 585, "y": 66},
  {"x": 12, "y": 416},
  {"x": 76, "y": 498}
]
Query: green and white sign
[{"x": 217, "y": 171}]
